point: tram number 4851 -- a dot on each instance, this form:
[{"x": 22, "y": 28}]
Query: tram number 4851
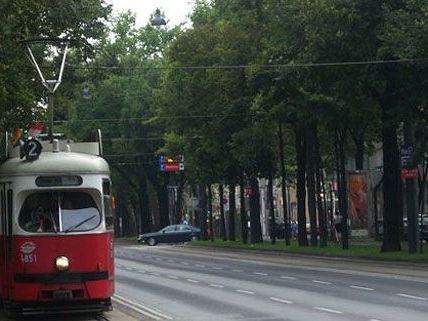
[{"x": 28, "y": 258}]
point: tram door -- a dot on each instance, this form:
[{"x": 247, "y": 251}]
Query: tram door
[{"x": 5, "y": 240}]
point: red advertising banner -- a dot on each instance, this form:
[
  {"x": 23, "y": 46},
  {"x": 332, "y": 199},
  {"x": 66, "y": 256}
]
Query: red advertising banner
[{"x": 358, "y": 200}]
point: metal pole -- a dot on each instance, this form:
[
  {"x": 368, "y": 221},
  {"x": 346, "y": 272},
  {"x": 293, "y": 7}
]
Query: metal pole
[{"x": 51, "y": 118}]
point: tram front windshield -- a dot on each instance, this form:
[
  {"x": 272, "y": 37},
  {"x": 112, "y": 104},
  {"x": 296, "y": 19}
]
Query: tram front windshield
[{"x": 53, "y": 212}]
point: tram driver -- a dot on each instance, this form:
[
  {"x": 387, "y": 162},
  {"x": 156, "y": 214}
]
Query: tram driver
[{"x": 40, "y": 221}]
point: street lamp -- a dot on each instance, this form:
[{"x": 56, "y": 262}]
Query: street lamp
[{"x": 157, "y": 19}]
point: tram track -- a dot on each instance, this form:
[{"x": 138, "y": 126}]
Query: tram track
[{"x": 101, "y": 317}]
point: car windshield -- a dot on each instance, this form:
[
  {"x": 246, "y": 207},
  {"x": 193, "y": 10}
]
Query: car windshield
[{"x": 53, "y": 212}]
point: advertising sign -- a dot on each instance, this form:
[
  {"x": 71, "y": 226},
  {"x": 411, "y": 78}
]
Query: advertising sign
[
  {"x": 358, "y": 200},
  {"x": 171, "y": 163}
]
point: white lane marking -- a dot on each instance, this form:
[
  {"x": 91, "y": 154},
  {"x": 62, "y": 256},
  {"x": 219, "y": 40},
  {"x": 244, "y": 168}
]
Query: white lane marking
[
  {"x": 238, "y": 271},
  {"x": 192, "y": 281},
  {"x": 200, "y": 265},
  {"x": 287, "y": 277},
  {"x": 185, "y": 263},
  {"x": 155, "y": 274},
  {"x": 260, "y": 273},
  {"x": 374, "y": 320},
  {"x": 281, "y": 300},
  {"x": 141, "y": 271},
  {"x": 172, "y": 277},
  {"x": 158, "y": 259},
  {"x": 151, "y": 313},
  {"x": 361, "y": 288},
  {"x": 217, "y": 268},
  {"x": 216, "y": 285},
  {"x": 328, "y": 310},
  {"x": 321, "y": 282},
  {"x": 245, "y": 292},
  {"x": 412, "y": 296}
]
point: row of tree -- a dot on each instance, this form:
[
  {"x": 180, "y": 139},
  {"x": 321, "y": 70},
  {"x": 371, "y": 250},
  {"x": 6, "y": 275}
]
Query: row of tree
[{"x": 254, "y": 88}]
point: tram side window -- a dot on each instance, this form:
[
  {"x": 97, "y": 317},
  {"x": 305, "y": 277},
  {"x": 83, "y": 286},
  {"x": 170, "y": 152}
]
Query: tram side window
[{"x": 108, "y": 204}]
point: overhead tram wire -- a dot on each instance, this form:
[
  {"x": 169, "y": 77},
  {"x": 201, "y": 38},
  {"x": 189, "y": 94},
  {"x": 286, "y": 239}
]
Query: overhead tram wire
[
  {"x": 162, "y": 117},
  {"x": 261, "y": 66}
]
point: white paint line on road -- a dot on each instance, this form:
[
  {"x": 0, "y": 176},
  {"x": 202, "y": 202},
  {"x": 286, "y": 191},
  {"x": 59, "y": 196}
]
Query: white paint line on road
[
  {"x": 260, "y": 273},
  {"x": 238, "y": 271},
  {"x": 216, "y": 285},
  {"x": 374, "y": 320},
  {"x": 200, "y": 265},
  {"x": 172, "y": 277},
  {"x": 321, "y": 282},
  {"x": 281, "y": 300},
  {"x": 158, "y": 259},
  {"x": 155, "y": 274},
  {"x": 328, "y": 310},
  {"x": 361, "y": 288},
  {"x": 151, "y": 313},
  {"x": 245, "y": 292},
  {"x": 141, "y": 271},
  {"x": 287, "y": 277},
  {"x": 185, "y": 263},
  {"x": 217, "y": 268},
  {"x": 412, "y": 296},
  {"x": 192, "y": 281}
]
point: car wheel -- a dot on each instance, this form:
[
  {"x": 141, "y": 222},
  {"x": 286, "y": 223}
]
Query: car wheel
[
  {"x": 194, "y": 238},
  {"x": 152, "y": 241}
]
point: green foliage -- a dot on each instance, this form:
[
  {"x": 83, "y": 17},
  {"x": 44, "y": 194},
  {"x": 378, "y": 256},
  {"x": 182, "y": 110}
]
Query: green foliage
[{"x": 20, "y": 90}]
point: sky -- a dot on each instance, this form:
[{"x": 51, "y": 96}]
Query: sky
[{"x": 176, "y": 11}]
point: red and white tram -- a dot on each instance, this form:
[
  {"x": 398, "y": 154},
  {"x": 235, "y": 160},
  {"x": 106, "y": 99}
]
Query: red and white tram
[{"x": 56, "y": 229}]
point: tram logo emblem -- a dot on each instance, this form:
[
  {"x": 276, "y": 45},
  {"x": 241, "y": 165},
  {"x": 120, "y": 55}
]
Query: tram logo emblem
[{"x": 28, "y": 247}]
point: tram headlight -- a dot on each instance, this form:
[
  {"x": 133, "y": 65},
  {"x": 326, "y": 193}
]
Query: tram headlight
[{"x": 62, "y": 263}]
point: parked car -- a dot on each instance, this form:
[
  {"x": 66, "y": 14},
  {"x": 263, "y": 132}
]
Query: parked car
[{"x": 171, "y": 234}]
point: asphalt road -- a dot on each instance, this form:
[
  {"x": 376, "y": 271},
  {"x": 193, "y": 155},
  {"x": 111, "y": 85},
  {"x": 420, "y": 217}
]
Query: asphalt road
[{"x": 183, "y": 283}]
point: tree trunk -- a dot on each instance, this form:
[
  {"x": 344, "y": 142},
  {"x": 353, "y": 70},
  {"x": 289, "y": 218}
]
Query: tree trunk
[
  {"x": 271, "y": 210},
  {"x": 143, "y": 204},
  {"x": 222, "y": 219},
  {"x": 244, "y": 221},
  {"x": 310, "y": 181},
  {"x": 322, "y": 220},
  {"x": 256, "y": 228},
  {"x": 284, "y": 185},
  {"x": 358, "y": 139},
  {"x": 210, "y": 213},
  {"x": 301, "y": 189},
  {"x": 232, "y": 212},
  {"x": 340, "y": 138},
  {"x": 162, "y": 196},
  {"x": 391, "y": 185},
  {"x": 203, "y": 213}
]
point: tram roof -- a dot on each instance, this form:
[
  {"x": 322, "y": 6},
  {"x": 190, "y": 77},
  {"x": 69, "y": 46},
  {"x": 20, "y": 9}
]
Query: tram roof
[{"x": 55, "y": 163}]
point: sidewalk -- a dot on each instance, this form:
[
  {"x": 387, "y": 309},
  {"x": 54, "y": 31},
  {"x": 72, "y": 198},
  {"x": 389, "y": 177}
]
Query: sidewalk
[{"x": 116, "y": 315}]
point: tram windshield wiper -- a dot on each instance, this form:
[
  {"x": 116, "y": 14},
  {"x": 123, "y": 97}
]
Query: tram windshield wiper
[{"x": 70, "y": 229}]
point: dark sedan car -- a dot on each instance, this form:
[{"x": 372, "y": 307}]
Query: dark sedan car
[{"x": 171, "y": 234}]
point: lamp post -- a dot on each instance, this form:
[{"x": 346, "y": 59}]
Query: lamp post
[{"x": 157, "y": 19}]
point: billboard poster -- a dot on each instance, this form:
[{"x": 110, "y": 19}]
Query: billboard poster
[{"x": 358, "y": 200}]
